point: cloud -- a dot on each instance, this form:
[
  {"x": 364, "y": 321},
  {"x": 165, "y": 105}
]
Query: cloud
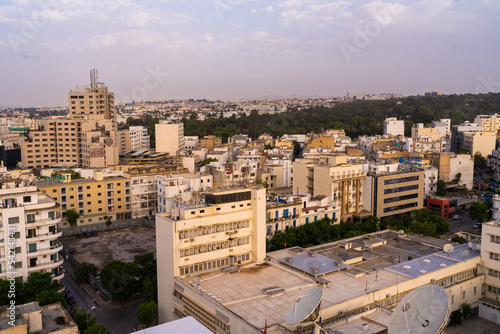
[{"x": 317, "y": 14}]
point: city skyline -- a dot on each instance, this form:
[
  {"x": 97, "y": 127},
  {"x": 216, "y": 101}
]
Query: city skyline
[{"x": 228, "y": 49}]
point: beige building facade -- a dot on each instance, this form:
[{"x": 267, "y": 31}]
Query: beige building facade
[
  {"x": 169, "y": 137},
  {"x": 226, "y": 231},
  {"x": 451, "y": 165}
]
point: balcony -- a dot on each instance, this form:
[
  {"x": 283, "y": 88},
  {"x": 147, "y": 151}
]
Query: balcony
[
  {"x": 46, "y": 265},
  {"x": 47, "y": 250},
  {"x": 51, "y": 235},
  {"x": 40, "y": 222}
]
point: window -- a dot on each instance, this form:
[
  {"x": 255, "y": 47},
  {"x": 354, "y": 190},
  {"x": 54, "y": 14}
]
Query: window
[
  {"x": 30, "y": 218},
  {"x": 27, "y": 199},
  {"x": 13, "y": 220}
]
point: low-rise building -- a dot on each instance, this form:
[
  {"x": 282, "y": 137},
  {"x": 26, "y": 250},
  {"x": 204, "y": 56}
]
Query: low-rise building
[
  {"x": 31, "y": 318},
  {"x": 459, "y": 167}
]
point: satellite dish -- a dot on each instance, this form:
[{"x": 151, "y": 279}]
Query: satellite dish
[
  {"x": 186, "y": 196},
  {"x": 465, "y": 253},
  {"x": 424, "y": 310},
  {"x": 306, "y": 307},
  {"x": 448, "y": 248},
  {"x": 197, "y": 280}
]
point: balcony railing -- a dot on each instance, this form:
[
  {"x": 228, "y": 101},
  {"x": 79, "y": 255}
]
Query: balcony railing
[
  {"x": 44, "y": 220},
  {"x": 44, "y": 234},
  {"x": 38, "y": 265},
  {"x": 46, "y": 248}
]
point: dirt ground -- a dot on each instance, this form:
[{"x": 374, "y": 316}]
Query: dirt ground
[{"x": 121, "y": 244}]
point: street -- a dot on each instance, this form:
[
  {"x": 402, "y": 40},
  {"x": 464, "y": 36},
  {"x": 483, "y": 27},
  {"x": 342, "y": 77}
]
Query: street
[
  {"x": 463, "y": 224},
  {"x": 118, "y": 321}
]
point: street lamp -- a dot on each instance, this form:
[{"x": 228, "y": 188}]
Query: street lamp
[{"x": 88, "y": 311}]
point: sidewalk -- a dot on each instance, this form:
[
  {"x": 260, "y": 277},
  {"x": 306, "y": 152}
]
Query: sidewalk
[{"x": 101, "y": 302}]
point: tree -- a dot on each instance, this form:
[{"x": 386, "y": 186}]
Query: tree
[
  {"x": 260, "y": 182},
  {"x": 441, "y": 191},
  {"x": 82, "y": 271},
  {"x": 42, "y": 288},
  {"x": 457, "y": 178},
  {"x": 147, "y": 313},
  {"x": 150, "y": 288},
  {"x": 479, "y": 212},
  {"x": 458, "y": 239},
  {"x": 207, "y": 161},
  {"x": 82, "y": 317},
  {"x": 146, "y": 265},
  {"x": 4, "y": 292},
  {"x": 108, "y": 221},
  {"x": 97, "y": 328},
  {"x": 479, "y": 161},
  {"x": 119, "y": 278},
  {"x": 72, "y": 216}
]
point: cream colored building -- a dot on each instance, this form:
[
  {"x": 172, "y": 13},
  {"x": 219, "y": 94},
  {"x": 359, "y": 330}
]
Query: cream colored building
[
  {"x": 360, "y": 277},
  {"x": 227, "y": 230},
  {"x": 139, "y": 139},
  {"x": 394, "y": 127},
  {"x": 480, "y": 141},
  {"x": 31, "y": 318},
  {"x": 489, "y": 307},
  {"x": 451, "y": 164},
  {"x": 29, "y": 227},
  {"x": 488, "y": 122},
  {"x": 418, "y": 131},
  {"x": 124, "y": 144},
  {"x": 169, "y": 137},
  {"x": 88, "y": 136},
  {"x": 340, "y": 181}
]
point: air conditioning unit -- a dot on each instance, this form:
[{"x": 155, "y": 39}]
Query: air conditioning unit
[
  {"x": 367, "y": 308},
  {"x": 433, "y": 280},
  {"x": 45, "y": 256},
  {"x": 191, "y": 239},
  {"x": 341, "y": 312},
  {"x": 235, "y": 232},
  {"x": 388, "y": 295}
]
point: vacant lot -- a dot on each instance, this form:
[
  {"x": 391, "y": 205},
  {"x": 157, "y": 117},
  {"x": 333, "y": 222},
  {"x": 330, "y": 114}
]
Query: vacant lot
[{"x": 122, "y": 244}]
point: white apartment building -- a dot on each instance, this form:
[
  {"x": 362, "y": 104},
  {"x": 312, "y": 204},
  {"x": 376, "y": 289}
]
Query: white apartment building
[
  {"x": 490, "y": 253},
  {"x": 226, "y": 230},
  {"x": 394, "y": 127},
  {"x": 29, "y": 227},
  {"x": 139, "y": 139},
  {"x": 169, "y": 137},
  {"x": 451, "y": 165},
  {"x": 430, "y": 179},
  {"x": 191, "y": 142},
  {"x": 171, "y": 187},
  {"x": 488, "y": 122}
]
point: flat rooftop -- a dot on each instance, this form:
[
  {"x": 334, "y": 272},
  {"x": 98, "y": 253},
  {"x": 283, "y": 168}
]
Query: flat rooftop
[{"x": 265, "y": 291}]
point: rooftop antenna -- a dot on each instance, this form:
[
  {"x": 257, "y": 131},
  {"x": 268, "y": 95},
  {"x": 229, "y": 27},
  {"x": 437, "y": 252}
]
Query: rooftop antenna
[
  {"x": 424, "y": 310},
  {"x": 305, "y": 308},
  {"x": 93, "y": 78}
]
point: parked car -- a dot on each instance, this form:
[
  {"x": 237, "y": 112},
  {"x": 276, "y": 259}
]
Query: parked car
[
  {"x": 80, "y": 235},
  {"x": 71, "y": 300},
  {"x": 71, "y": 250},
  {"x": 478, "y": 226},
  {"x": 94, "y": 233},
  {"x": 87, "y": 234},
  {"x": 456, "y": 217},
  {"x": 67, "y": 294}
]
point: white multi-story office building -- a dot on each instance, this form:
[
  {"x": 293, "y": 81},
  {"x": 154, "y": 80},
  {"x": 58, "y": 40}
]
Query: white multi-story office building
[
  {"x": 29, "y": 227},
  {"x": 393, "y": 126},
  {"x": 139, "y": 139},
  {"x": 226, "y": 230}
]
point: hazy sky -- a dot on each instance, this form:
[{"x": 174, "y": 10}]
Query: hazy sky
[{"x": 242, "y": 48}]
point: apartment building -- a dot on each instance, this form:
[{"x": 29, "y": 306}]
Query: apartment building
[
  {"x": 394, "y": 127},
  {"x": 171, "y": 187},
  {"x": 88, "y": 136},
  {"x": 342, "y": 182},
  {"x": 139, "y": 139},
  {"x": 282, "y": 213},
  {"x": 397, "y": 191},
  {"x": 490, "y": 253},
  {"x": 483, "y": 142},
  {"x": 92, "y": 198},
  {"x": 169, "y": 137},
  {"x": 488, "y": 122},
  {"x": 30, "y": 227},
  {"x": 430, "y": 179},
  {"x": 210, "y": 142},
  {"x": 227, "y": 230},
  {"x": 457, "y": 133},
  {"x": 123, "y": 141},
  {"x": 457, "y": 166},
  {"x": 191, "y": 142}
]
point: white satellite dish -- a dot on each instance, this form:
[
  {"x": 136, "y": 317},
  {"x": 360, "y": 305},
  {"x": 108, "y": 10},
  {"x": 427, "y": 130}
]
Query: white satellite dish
[
  {"x": 448, "y": 248},
  {"x": 306, "y": 307},
  {"x": 465, "y": 253},
  {"x": 424, "y": 310},
  {"x": 197, "y": 280},
  {"x": 186, "y": 196}
]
